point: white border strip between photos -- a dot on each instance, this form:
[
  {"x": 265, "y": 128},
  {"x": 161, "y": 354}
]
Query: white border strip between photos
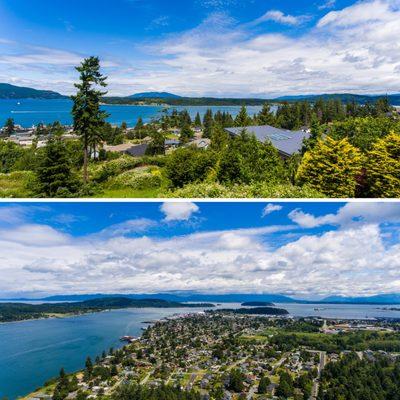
[{"x": 195, "y": 200}]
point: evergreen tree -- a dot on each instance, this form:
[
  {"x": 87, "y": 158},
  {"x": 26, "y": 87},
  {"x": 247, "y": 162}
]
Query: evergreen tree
[
  {"x": 54, "y": 172},
  {"x": 186, "y": 134},
  {"x": 9, "y": 127},
  {"x": 208, "y": 122},
  {"x": 139, "y": 124},
  {"x": 246, "y": 160},
  {"x": 383, "y": 167},
  {"x": 197, "y": 121},
  {"x": 332, "y": 168},
  {"x": 315, "y": 135},
  {"x": 157, "y": 144},
  {"x": 236, "y": 381},
  {"x": 89, "y": 366},
  {"x": 285, "y": 387},
  {"x": 263, "y": 385},
  {"x": 266, "y": 117},
  {"x": 219, "y": 138},
  {"x": 242, "y": 119},
  {"x": 88, "y": 116}
]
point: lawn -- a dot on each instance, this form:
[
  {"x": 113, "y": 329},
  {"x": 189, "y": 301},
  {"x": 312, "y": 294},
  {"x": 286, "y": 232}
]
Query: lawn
[{"x": 16, "y": 184}]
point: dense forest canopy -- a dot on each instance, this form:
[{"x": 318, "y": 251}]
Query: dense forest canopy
[{"x": 21, "y": 311}]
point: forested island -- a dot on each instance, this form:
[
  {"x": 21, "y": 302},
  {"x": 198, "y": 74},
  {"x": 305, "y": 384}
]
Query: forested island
[
  {"x": 10, "y": 312},
  {"x": 258, "y": 311},
  {"x": 257, "y": 304},
  {"x": 8, "y": 91},
  {"x": 175, "y": 101}
]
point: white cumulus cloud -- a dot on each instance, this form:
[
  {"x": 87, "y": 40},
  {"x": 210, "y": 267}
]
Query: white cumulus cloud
[
  {"x": 270, "y": 208},
  {"x": 179, "y": 211}
]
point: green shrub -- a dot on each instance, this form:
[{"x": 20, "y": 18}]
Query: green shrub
[
  {"x": 262, "y": 190},
  {"x": 383, "y": 167},
  {"x": 187, "y": 165},
  {"x": 246, "y": 160},
  {"x": 102, "y": 172},
  {"x": 16, "y": 184},
  {"x": 331, "y": 167},
  {"x": 139, "y": 181}
]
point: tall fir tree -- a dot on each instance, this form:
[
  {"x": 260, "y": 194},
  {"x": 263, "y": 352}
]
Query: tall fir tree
[
  {"x": 208, "y": 122},
  {"x": 9, "y": 127},
  {"x": 54, "y": 172},
  {"x": 88, "y": 116},
  {"x": 265, "y": 116},
  {"x": 197, "y": 121},
  {"x": 242, "y": 119}
]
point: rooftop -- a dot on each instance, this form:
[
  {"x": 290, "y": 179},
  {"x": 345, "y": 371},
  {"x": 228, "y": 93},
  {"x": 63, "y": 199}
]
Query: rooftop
[{"x": 287, "y": 142}]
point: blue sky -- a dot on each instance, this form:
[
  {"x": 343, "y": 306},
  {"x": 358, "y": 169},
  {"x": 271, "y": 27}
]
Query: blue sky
[
  {"x": 303, "y": 249},
  {"x": 205, "y": 47}
]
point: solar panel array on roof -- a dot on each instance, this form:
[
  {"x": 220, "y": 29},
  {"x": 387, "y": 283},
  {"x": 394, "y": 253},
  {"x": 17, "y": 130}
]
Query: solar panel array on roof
[{"x": 279, "y": 136}]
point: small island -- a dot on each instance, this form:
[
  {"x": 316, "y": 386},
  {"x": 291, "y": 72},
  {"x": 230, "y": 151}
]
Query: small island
[
  {"x": 257, "y": 304},
  {"x": 11, "y": 312},
  {"x": 258, "y": 311}
]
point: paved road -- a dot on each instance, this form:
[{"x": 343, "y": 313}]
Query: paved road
[
  {"x": 321, "y": 366},
  {"x": 146, "y": 378},
  {"x": 252, "y": 392}
]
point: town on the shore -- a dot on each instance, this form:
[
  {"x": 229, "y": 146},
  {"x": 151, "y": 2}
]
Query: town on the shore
[{"x": 220, "y": 355}]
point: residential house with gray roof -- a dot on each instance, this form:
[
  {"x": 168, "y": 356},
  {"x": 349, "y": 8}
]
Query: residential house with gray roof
[{"x": 285, "y": 141}]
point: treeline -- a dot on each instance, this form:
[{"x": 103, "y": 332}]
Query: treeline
[
  {"x": 21, "y": 311},
  {"x": 355, "y": 341},
  {"x": 257, "y": 311},
  {"x": 140, "y": 392},
  {"x": 185, "y": 101},
  {"x": 355, "y": 379},
  {"x": 292, "y": 116},
  {"x": 212, "y": 101}
]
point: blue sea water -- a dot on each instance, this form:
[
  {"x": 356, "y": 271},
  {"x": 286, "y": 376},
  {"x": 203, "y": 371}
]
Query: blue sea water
[
  {"x": 31, "y": 352},
  {"x": 29, "y": 112}
]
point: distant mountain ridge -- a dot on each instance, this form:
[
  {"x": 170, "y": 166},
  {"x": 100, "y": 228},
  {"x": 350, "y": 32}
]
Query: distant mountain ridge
[
  {"x": 378, "y": 299},
  {"x": 154, "y": 95},
  {"x": 394, "y": 99},
  {"x": 180, "y": 297},
  {"x": 8, "y": 91},
  {"x": 192, "y": 297}
]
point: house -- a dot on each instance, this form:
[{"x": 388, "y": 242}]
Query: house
[
  {"x": 200, "y": 143},
  {"x": 172, "y": 143},
  {"x": 129, "y": 148},
  {"x": 286, "y": 142},
  {"x": 41, "y": 396}
]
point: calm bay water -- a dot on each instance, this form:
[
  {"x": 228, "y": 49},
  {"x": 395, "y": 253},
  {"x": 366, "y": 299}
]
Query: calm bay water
[
  {"x": 32, "y": 352},
  {"x": 29, "y": 112}
]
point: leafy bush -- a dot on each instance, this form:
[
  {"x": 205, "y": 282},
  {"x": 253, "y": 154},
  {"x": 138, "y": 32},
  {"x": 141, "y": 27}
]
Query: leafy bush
[
  {"x": 16, "y": 184},
  {"x": 139, "y": 180},
  {"x": 246, "y": 160},
  {"x": 104, "y": 171},
  {"x": 331, "y": 167},
  {"x": 383, "y": 167},
  {"x": 263, "y": 190},
  {"x": 363, "y": 132},
  {"x": 187, "y": 165}
]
